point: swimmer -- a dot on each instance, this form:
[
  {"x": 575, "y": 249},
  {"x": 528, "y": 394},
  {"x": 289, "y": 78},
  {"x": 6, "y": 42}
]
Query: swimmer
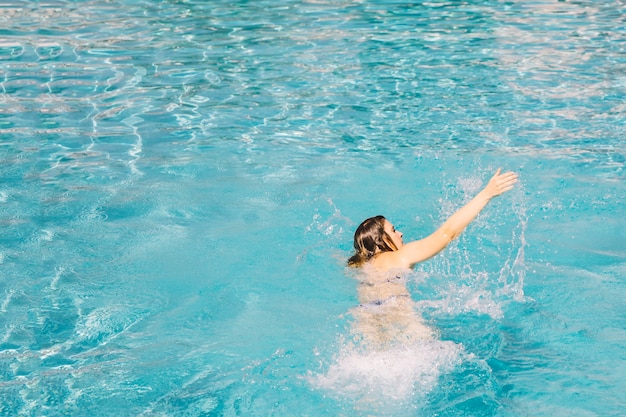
[
  {"x": 380, "y": 245},
  {"x": 386, "y": 314}
]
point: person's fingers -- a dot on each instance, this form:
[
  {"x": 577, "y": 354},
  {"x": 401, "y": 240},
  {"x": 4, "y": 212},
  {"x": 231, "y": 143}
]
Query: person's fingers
[
  {"x": 509, "y": 177},
  {"x": 504, "y": 182}
]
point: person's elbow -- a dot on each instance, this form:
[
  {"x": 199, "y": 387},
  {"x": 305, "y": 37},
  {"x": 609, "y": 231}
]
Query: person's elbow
[{"x": 447, "y": 235}]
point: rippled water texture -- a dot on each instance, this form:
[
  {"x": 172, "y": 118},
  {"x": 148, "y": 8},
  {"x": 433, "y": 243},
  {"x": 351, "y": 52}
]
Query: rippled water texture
[{"x": 180, "y": 181}]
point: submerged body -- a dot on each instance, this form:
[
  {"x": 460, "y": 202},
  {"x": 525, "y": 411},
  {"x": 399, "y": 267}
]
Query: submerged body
[{"x": 387, "y": 314}]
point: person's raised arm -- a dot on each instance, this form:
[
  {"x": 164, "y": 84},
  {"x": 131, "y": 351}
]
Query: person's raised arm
[{"x": 420, "y": 250}]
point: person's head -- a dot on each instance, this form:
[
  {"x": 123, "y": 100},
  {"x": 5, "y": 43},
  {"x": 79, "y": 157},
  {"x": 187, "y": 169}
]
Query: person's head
[{"x": 375, "y": 235}]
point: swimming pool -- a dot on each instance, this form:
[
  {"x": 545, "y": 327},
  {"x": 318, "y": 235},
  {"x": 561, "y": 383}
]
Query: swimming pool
[{"x": 181, "y": 181}]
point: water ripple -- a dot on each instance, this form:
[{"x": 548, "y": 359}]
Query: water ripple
[{"x": 140, "y": 139}]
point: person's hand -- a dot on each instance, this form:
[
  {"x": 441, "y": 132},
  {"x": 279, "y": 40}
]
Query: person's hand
[{"x": 500, "y": 183}]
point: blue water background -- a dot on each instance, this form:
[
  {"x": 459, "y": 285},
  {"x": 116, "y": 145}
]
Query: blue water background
[{"x": 180, "y": 182}]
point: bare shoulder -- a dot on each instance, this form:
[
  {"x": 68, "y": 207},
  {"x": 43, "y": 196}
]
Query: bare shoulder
[{"x": 390, "y": 260}]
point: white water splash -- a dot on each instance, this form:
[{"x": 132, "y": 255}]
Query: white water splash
[{"x": 392, "y": 376}]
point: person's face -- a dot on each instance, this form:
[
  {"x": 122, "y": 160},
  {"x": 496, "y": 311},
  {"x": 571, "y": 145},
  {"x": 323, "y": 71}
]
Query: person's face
[{"x": 395, "y": 235}]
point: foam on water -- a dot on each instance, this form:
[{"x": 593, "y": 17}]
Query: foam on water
[
  {"x": 458, "y": 299},
  {"x": 399, "y": 375}
]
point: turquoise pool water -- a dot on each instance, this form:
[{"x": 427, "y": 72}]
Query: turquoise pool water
[{"x": 180, "y": 182}]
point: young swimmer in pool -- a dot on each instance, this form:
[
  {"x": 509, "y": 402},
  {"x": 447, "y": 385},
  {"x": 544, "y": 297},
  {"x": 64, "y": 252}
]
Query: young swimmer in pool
[{"x": 386, "y": 315}]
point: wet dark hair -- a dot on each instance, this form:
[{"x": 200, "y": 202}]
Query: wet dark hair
[{"x": 370, "y": 238}]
